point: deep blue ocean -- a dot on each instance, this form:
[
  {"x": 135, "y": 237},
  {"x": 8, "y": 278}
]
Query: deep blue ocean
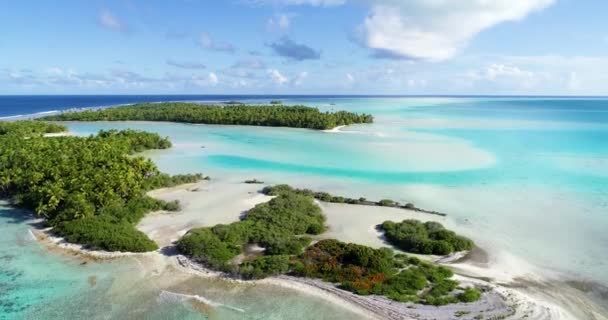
[{"x": 15, "y": 105}]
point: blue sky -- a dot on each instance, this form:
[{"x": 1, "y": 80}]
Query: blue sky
[{"x": 304, "y": 47}]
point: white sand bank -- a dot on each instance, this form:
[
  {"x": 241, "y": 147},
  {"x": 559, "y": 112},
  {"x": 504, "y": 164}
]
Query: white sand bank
[{"x": 203, "y": 204}]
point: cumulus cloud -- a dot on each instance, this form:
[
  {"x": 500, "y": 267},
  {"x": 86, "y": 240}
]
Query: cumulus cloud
[
  {"x": 299, "y": 52},
  {"x": 186, "y": 64},
  {"x": 507, "y": 76},
  {"x": 432, "y": 30},
  {"x": 213, "y": 79},
  {"x": 207, "y": 42},
  {"x": 438, "y": 29},
  {"x": 276, "y": 77},
  {"x": 279, "y": 22},
  {"x": 109, "y": 21}
]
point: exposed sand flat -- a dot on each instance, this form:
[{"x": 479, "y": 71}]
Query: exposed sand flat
[
  {"x": 212, "y": 202},
  {"x": 203, "y": 204},
  {"x": 357, "y": 223}
]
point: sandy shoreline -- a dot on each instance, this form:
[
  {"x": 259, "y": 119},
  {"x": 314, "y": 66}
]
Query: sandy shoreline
[
  {"x": 334, "y": 130},
  {"x": 211, "y": 202}
]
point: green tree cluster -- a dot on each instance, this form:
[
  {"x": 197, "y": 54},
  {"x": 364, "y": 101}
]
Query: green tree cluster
[
  {"x": 424, "y": 238},
  {"x": 254, "y": 115},
  {"x": 29, "y": 127},
  {"x": 364, "y": 271},
  {"x": 89, "y": 189},
  {"x": 279, "y": 227},
  {"x": 327, "y": 197}
]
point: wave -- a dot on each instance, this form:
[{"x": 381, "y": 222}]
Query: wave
[
  {"x": 31, "y": 235},
  {"x": 11, "y": 117},
  {"x": 30, "y": 115},
  {"x": 168, "y": 296},
  {"x": 46, "y": 112}
]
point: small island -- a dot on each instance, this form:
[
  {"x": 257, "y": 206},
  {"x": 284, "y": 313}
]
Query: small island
[
  {"x": 234, "y": 114},
  {"x": 282, "y": 231}
]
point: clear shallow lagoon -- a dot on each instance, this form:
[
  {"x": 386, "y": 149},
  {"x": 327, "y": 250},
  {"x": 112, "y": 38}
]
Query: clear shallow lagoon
[{"x": 527, "y": 177}]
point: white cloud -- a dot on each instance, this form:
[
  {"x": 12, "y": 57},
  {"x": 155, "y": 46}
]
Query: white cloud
[
  {"x": 207, "y": 42},
  {"x": 350, "y": 78},
  {"x": 429, "y": 29},
  {"x": 280, "y": 22},
  {"x": 277, "y": 77},
  {"x": 437, "y": 29},
  {"x": 316, "y": 3},
  {"x": 109, "y": 21},
  {"x": 213, "y": 80},
  {"x": 507, "y": 76}
]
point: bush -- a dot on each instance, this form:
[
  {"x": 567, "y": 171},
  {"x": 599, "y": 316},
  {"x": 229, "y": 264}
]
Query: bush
[
  {"x": 469, "y": 295},
  {"x": 264, "y": 266},
  {"x": 386, "y": 203},
  {"x": 105, "y": 233},
  {"x": 424, "y": 238},
  {"x": 204, "y": 246}
]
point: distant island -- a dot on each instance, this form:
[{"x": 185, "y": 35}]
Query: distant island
[{"x": 251, "y": 115}]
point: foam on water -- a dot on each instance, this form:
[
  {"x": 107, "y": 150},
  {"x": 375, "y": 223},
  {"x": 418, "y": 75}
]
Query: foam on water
[{"x": 167, "y": 296}]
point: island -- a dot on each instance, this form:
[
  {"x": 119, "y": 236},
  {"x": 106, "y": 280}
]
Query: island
[
  {"x": 280, "y": 230},
  {"x": 251, "y": 115}
]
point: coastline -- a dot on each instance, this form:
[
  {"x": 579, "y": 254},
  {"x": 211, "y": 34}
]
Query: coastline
[{"x": 500, "y": 299}]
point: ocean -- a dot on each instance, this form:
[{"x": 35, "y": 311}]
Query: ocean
[{"x": 525, "y": 177}]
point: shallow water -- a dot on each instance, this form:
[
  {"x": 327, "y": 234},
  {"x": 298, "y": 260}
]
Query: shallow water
[
  {"x": 36, "y": 283},
  {"x": 523, "y": 177}
]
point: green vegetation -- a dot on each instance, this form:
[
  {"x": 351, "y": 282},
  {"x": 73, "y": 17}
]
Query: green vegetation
[
  {"x": 276, "y": 225},
  {"x": 89, "y": 189},
  {"x": 425, "y": 238},
  {"x": 469, "y": 295},
  {"x": 280, "y": 226},
  {"x": 271, "y": 116},
  {"x": 326, "y": 197},
  {"x": 29, "y": 127},
  {"x": 254, "y": 181},
  {"x": 364, "y": 270}
]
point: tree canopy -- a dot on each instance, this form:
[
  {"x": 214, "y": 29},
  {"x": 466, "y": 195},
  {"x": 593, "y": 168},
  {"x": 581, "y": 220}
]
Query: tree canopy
[
  {"x": 425, "y": 238},
  {"x": 253, "y": 115},
  {"x": 89, "y": 189}
]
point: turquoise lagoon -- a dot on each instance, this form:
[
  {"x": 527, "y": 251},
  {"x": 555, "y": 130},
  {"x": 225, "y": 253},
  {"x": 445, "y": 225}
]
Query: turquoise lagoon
[{"x": 527, "y": 178}]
